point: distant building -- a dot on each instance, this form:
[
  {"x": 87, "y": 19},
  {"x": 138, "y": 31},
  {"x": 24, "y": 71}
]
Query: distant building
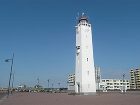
[
  {"x": 97, "y": 76},
  {"x": 114, "y": 84},
  {"x": 135, "y": 79},
  {"x": 21, "y": 86},
  {"x": 71, "y": 82},
  {"x": 103, "y": 84}
]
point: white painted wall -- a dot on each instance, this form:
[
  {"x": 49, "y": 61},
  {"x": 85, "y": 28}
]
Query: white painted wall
[{"x": 84, "y": 71}]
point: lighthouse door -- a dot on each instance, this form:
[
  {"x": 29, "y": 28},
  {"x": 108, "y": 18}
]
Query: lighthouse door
[{"x": 78, "y": 88}]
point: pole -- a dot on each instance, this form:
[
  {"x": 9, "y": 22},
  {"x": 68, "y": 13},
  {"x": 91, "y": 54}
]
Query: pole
[
  {"x": 123, "y": 84},
  {"x": 10, "y": 75},
  {"x": 38, "y": 81},
  {"x": 52, "y": 86},
  {"x": 48, "y": 83},
  {"x": 13, "y": 81},
  {"x": 59, "y": 85}
]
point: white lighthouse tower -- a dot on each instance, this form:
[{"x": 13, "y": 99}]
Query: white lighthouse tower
[{"x": 84, "y": 70}]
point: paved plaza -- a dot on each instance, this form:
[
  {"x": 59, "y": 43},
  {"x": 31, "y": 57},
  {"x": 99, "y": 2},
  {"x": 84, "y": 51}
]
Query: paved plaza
[{"x": 130, "y": 98}]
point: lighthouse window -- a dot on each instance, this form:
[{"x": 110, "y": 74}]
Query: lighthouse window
[
  {"x": 78, "y": 47},
  {"x": 88, "y": 72},
  {"x": 87, "y": 59}
]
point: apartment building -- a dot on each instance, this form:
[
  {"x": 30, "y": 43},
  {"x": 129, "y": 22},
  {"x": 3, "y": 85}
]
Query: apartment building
[
  {"x": 104, "y": 84},
  {"x": 71, "y": 82},
  {"x": 114, "y": 84},
  {"x": 135, "y": 78}
]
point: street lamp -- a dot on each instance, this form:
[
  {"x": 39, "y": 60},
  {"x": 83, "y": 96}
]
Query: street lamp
[
  {"x": 59, "y": 85},
  {"x": 11, "y": 72},
  {"x": 13, "y": 80},
  {"x": 52, "y": 86},
  {"x": 48, "y": 83}
]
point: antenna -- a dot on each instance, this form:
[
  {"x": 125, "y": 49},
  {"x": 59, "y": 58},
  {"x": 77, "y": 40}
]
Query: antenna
[
  {"x": 83, "y": 14},
  {"x": 38, "y": 81},
  {"x": 77, "y": 17}
]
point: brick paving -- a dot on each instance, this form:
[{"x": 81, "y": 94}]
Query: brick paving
[{"x": 132, "y": 98}]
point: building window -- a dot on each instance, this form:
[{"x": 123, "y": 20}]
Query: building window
[
  {"x": 103, "y": 80},
  {"x": 111, "y": 83},
  {"x": 87, "y": 59}
]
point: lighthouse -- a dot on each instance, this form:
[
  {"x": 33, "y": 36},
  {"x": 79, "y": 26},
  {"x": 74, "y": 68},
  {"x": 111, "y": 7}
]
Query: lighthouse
[{"x": 84, "y": 68}]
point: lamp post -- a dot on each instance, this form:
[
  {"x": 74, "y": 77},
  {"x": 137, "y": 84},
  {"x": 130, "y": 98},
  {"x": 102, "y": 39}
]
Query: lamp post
[
  {"x": 48, "y": 83},
  {"x": 52, "y": 87},
  {"x": 59, "y": 85},
  {"x": 38, "y": 81},
  {"x": 13, "y": 80},
  {"x": 11, "y": 72}
]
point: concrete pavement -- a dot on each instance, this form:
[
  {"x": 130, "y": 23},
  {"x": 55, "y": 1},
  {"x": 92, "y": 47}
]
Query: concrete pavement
[{"x": 130, "y": 98}]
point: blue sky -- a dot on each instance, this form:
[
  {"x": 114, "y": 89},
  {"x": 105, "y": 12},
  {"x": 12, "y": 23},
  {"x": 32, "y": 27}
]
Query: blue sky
[{"x": 41, "y": 33}]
